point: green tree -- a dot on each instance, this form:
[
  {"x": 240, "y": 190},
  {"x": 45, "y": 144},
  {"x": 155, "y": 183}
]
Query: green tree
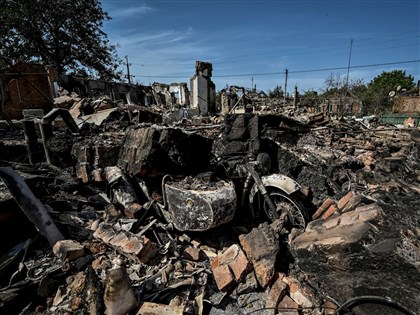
[
  {"x": 66, "y": 34},
  {"x": 309, "y": 98},
  {"x": 376, "y": 97},
  {"x": 276, "y": 93}
]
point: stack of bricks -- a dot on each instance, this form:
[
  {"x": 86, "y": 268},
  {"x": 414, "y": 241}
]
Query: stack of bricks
[
  {"x": 130, "y": 245},
  {"x": 330, "y": 206}
]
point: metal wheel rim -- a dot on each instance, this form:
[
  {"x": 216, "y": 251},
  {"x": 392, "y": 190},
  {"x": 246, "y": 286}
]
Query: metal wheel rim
[{"x": 295, "y": 216}]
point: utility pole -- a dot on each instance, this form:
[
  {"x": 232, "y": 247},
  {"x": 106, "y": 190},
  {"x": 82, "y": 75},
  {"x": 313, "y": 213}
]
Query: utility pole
[
  {"x": 348, "y": 66},
  {"x": 128, "y": 70},
  {"x": 285, "y": 83},
  {"x": 346, "y": 87},
  {"x": 252, "y": 83}
]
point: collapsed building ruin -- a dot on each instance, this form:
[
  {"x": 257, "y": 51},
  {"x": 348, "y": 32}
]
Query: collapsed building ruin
[
  {"x": 203, "y": 90},
  {"x": 108, "y": 207}
]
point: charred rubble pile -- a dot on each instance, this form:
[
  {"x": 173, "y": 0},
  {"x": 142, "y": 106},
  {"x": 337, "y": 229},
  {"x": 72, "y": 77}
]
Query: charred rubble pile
[{"x": 262, "y": 214}]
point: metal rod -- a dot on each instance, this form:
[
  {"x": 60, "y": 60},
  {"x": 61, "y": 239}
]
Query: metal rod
[
  {"x": 31, "y": 205},
  {"x": 31, "y": 139},
  {"x": 46, "y": 133}
]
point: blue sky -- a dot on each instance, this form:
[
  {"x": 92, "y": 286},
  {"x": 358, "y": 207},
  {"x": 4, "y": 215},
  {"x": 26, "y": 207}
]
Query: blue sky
[{"x": 255, "y": 41}]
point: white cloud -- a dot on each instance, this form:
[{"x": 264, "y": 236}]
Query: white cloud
[
  {"x": 131, "y": 11},
  {"x": 164, "y": 53}
]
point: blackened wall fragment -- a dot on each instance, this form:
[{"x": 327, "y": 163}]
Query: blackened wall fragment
[{"x": 150, "y": 150}]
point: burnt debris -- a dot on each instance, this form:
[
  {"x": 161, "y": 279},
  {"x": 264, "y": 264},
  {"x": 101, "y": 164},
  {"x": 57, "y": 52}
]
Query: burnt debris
[{"x": 165, "y": 207}]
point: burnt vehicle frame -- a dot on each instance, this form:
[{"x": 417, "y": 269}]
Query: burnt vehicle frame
[{"x": 266, "y": 195}]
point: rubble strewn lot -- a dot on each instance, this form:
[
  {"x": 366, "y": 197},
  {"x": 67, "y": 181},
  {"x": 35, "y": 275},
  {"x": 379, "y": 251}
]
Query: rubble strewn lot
[{"x": 138, "y": 215}]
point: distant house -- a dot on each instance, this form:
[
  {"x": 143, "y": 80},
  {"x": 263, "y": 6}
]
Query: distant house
[
  {"x": 405, "y": 108},
  {"x": 342, "y": 104},
  {"x": 262, "y": 94},
  {"x": 25, "y": 86},
  {"x": 406, "y": 105}
]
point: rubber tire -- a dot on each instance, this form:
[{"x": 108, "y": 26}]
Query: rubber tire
[
  {"x": 415, "y": 136},
  {"x": 296, "y": 206}
]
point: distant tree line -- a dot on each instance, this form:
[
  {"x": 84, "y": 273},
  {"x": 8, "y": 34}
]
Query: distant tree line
[{"x": 376, "y": 96}]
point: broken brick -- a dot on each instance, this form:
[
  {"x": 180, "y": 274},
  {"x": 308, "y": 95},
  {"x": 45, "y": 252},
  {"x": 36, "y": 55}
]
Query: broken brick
[
  {"x": 277, "y": 292},
  {"x": 301, "y": 299},
  {"x": 329, "y": 308},
  {"x": 68, "y": 250},
  {"x": 222, "y": 275},
  {"x": 297, "y": 293},
  {"x": 345, "y": 200},
  {"x": 235, "y": 258},
  {"x": 261, "y": 247},
  {"x": 230, "y": 267},
  {"x": 287, "y": 306},
  {"x": 136, "y": 247},
  {"x": 329, "y": 212},
  {"x": 248, "y": 284},
  {"x": 196, "y": 243},
  {"x": 353, "y": 203},
  {"x": 325, "y": 205}
]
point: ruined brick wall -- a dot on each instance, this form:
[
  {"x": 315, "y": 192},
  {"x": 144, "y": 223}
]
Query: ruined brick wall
[
  {"x": 342, "y": 106},
  {"x": 406, "y": 105},
  {"x": 21, "y": 95}
]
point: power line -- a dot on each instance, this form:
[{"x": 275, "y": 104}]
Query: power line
[
  {"x": 280, "y": 73},
  {"x": 360, "y": 66},
  {"x": 321, "y": 69},
  {"x": 163, "y": 76},
  {"x": 248, "y": 1}
]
